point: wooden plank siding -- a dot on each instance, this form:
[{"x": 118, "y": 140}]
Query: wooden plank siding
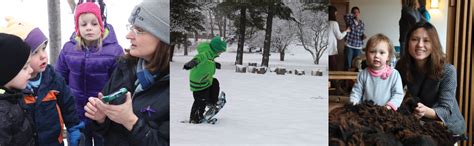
[{"x": 460, "y": 54}]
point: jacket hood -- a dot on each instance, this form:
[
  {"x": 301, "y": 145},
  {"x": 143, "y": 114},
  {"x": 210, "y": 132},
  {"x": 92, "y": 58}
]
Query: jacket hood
[
  {"x": 11, "y": 95},
  {"x": 205, "y": 48}
]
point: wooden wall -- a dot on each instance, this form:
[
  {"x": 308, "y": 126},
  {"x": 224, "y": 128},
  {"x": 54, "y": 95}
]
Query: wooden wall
[{"x": 460, "y": 54}]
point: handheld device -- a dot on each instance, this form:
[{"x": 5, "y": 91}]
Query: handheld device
[{"x": 116, "y": 97}]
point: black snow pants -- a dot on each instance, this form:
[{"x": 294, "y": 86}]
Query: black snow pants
[{"x": 203, "y": 98}]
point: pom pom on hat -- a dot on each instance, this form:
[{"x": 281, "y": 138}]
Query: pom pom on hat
[
  {"x": 218, "y": 45},
  {"x": 87, "y": 7},
  {"x": 32, "y": 35},
  {"x": 15, "y": 53}
]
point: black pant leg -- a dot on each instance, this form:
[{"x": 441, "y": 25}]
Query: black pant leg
[
  {"x": 214, "y": 92},
  {"x": 199, "y": 105}
]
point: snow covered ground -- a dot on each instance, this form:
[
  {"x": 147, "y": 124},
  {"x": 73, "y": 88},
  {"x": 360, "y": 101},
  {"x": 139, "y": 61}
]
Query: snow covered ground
[{"x": 264, "y": 109}]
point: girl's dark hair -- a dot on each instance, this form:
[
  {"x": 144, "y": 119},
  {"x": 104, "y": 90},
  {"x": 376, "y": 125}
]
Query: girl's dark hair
[
  {"x": 434, "y": 66},
  {"x": 332, "y": 13}
]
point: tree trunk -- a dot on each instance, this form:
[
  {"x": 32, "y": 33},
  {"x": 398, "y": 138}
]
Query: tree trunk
[
  {"x": 172, "y": 52},
  {"x": 282, "y": 54},
  {"x": 185, "y": 49},
  {"x": 54, "y": 19},
  {"x": 72, "y": 5},
  {"x": 225, "y": 27},
  {"x": 219, "y": 24},
  {"x": 240, "y": 45},
  {"x": 268, "y": 36},
  {"x": 212, "y": 24},
  {"x": 196, "y": 37}
]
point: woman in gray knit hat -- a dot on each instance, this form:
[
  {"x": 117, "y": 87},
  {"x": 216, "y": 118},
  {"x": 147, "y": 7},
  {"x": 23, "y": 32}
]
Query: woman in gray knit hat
[{"x": 144, "y": 72}]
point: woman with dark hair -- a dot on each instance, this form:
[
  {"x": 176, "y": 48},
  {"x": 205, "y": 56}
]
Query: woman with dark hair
[
  {"x": 334, "y": 35},
  {"x": 143, "y": 118},
  {"x": 429, "y": 77}
]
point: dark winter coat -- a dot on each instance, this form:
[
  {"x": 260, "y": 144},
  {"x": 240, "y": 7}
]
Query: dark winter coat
[
  {"x": 87, "y": 70},
  {"x": 51, "y": 107},
  {"x": 15, "y": 128},
  {"x": 150, "y": 130},
  {"x": 408, "y": 19}
]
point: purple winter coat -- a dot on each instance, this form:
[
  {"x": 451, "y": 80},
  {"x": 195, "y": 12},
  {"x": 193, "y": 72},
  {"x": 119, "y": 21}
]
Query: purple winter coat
[{"x": 87, "y": 71}]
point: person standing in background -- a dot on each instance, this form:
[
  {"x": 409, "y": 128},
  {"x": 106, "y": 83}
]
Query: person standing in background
[
  {"x": 409, "y": 17},
  {"x": 355, "y": 38},
  {"x": 334, "y": 35},
  {"x": 424, "y": 12}
]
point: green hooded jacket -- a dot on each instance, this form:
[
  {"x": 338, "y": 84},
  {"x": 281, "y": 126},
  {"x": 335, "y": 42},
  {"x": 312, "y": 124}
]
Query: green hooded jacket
[{"x": 202, "y": 74}]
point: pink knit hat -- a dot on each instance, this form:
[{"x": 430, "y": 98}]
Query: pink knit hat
[{"x": 88, "y": 7}]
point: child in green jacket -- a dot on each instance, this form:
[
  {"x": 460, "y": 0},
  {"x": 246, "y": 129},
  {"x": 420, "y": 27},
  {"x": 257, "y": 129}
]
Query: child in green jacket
[{"x": 204, "y": 86}]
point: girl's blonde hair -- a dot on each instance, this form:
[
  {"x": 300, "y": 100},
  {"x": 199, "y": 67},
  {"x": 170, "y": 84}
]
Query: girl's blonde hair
[
  {"x": 81, "y": 41},
  {"x": 378, "y": 38}
]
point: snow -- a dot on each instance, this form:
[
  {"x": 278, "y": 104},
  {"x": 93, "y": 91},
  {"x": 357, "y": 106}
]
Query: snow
[{"x": 266, "y": 109}]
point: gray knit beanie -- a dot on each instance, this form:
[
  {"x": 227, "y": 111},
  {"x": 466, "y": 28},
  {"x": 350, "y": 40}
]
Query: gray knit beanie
[{"x": 154, "y": 17}]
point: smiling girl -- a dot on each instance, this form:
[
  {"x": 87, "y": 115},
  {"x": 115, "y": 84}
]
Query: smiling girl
[{"x": 429, "y": 76}]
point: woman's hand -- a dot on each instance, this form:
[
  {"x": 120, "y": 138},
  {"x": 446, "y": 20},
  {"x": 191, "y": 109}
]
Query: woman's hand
[
  {"x": 348, "y": 29},
  {"x": 122, "y": 114},
  {"x": 92, "y": 112},
  {"x": 423, "y": 111}
]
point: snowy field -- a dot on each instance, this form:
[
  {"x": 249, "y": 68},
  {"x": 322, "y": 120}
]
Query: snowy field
[{"x": 264, "y": 109}]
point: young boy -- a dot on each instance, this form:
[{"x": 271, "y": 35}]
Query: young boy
[
  {"x": 50, "y": 101},
  {"x": 15, "y": 127},
  {"x": 204, "y": 86}
]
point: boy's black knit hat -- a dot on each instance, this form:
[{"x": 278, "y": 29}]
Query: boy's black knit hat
[{"x": 15, "y": 53}]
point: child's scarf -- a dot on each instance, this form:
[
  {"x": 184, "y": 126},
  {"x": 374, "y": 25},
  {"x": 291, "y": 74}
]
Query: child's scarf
[{"x": 383, "y": 73}]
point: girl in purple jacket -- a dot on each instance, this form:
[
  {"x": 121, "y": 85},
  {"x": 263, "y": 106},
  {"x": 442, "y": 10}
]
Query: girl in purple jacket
[{"x": 89, "y": 58}]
